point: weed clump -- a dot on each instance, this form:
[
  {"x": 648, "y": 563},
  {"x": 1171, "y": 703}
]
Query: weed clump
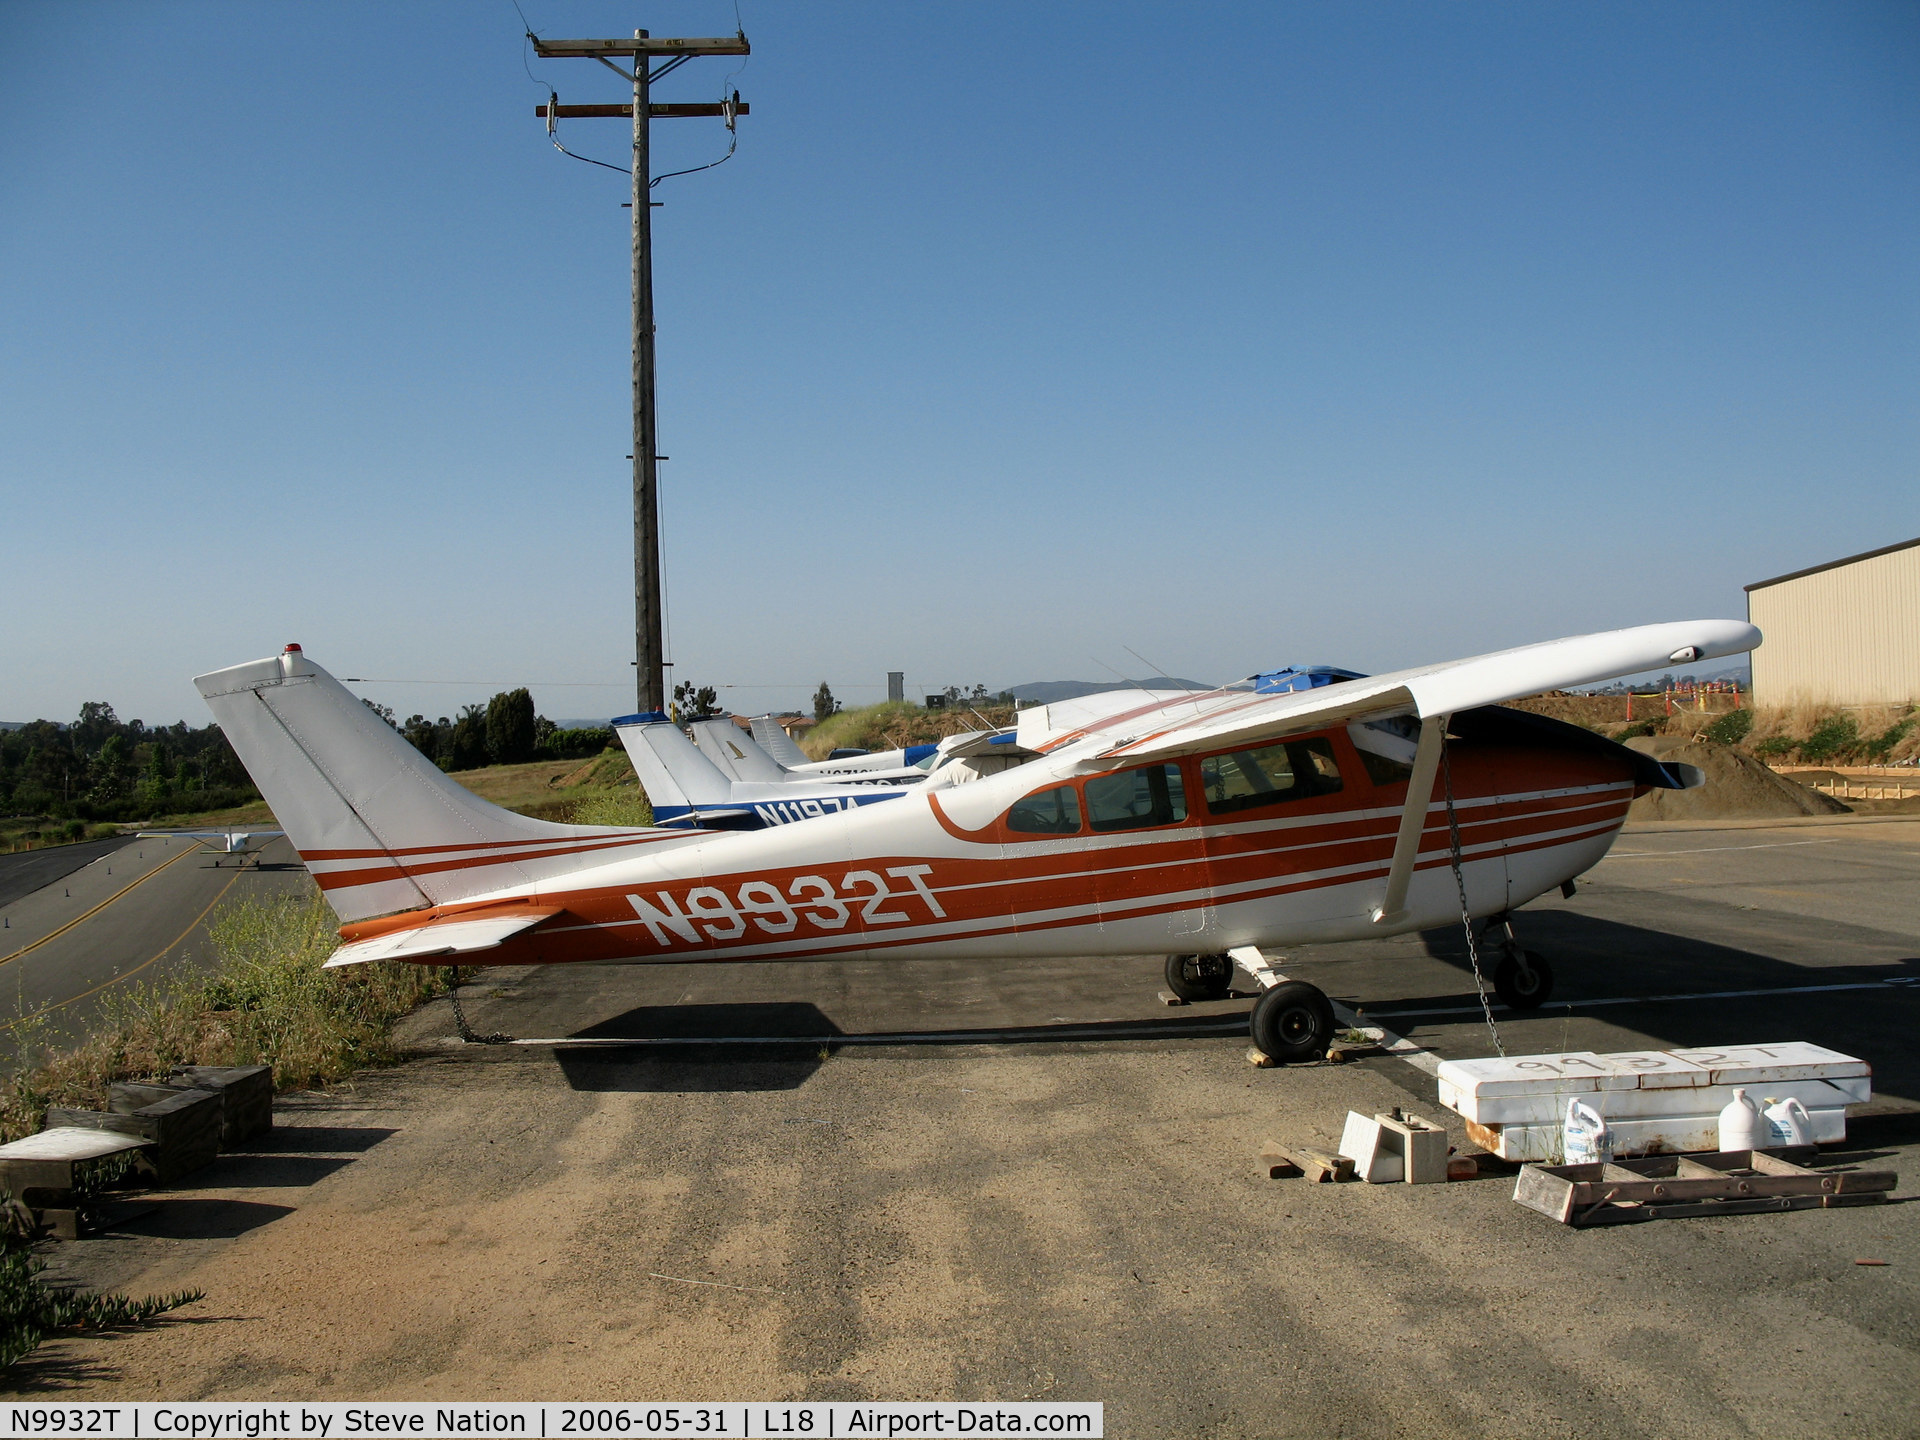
[
  {"x": 31, "y": 1310},
  {"x": 269, "y": 1002},
  {"x": 614, "y": 807}
]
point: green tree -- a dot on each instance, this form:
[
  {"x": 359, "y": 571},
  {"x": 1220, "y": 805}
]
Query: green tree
[
  {"x": 693, "y": 702},
  {"x": 823, "y": 702},
  {"x": 468, "y": 747},
  {"x": 510, "y": 727}
]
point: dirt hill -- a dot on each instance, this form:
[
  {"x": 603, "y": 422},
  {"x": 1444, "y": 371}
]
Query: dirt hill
[{"x": 1738, "y": 786}]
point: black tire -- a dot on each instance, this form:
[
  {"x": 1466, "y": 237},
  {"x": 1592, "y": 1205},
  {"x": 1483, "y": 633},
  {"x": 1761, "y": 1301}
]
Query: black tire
[
  {"x": 1200, "y": 977},
  {"x": 1523, "y": 980},
  {"x": 1293, "y": 1022}
]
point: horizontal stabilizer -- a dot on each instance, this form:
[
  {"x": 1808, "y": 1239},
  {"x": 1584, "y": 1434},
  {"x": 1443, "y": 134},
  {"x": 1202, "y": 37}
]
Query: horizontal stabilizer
[{"x": 456, "y": 935}]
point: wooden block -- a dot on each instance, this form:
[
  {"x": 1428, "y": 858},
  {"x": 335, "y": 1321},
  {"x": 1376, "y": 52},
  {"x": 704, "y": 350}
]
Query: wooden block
[
  {"x": 1167, "y": 997},
  {"x": 1259, "y": 1058},
  {"x": 247, "y": 1092},
  {"x": 1320, "y": 1167},
  {"x": 126, "y": 1096},
  {"x": 1276, "y": 1163},
  {"x": 185, "y": 1128}
]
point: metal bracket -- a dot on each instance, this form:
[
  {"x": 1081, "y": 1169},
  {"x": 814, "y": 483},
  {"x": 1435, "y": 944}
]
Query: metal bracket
[{"x": 1250, "y": 959}]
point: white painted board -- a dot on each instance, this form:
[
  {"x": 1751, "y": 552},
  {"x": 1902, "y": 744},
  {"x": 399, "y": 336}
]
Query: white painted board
[
  {"x": 1473, "y": 1087},
  {"x": 70, "y": 1142},
  {"x": 1542, "y": 1108}
]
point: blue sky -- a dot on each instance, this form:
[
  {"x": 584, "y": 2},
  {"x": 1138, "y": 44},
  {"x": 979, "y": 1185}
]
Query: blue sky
[{"x": 1014, "y": 337}]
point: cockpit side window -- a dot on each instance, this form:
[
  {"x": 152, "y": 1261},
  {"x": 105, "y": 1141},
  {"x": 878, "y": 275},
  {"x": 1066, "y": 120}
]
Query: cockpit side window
[
  {"x": 1049, "y": 812},
  {"x": 1137, "y": 799},
  {"x": 1269, "y": 775}
]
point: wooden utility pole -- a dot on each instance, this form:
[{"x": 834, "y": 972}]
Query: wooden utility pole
[{"x": 649, "y": 653}]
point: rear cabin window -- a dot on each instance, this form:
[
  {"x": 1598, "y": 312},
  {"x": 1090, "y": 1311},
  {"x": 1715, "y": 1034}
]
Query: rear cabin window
[
  {"x": 1050, "y": 812},
  {"x": 1248, "y": 779},
  {"x": 1137, "y": 799}
]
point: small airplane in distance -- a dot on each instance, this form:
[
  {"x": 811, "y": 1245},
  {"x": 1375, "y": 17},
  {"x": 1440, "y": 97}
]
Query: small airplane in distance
[
  {"x": 1208, "y": 828},
  {"x": 779, "y": 746},
  {"x": 730, "y": 787},
  {"x": 742, "y": 758},
  {"x": 222, "y": 842}
]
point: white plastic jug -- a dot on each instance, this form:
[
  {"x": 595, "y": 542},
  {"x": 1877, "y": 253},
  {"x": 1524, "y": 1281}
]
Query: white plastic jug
[
  {"x": 1742, "y": 1126},
  {"x": 1585, "y": 1138},
  {"x": 1788, "y": 1122}
]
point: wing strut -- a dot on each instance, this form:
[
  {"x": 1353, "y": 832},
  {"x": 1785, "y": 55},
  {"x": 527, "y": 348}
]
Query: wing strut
[{"x": 1413, "y": 820}]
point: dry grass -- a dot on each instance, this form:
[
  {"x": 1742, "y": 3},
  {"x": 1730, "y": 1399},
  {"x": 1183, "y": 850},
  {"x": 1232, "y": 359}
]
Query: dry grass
[
  {"x": 1805, "y": 734},
  {"x": 894, "y": 724},
  {"x": 268, "y": 1003}
]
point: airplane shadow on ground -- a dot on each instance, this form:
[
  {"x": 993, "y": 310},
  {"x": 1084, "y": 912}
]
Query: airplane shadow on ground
[
  {"x": 1595, "y": 959},
  {"x": 779, "y": 1045}
]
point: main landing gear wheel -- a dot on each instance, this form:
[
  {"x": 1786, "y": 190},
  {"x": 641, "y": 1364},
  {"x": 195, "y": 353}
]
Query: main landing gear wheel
[
  {"x": 1200, "y": 977},
  {"x": 1523, "y": 981},
  {"x": 1293, "y": 1022}
]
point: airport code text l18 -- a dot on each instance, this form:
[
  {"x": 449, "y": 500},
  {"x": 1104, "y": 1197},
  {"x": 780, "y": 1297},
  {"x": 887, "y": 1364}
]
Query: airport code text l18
[{"x": 734, "y": 1419}]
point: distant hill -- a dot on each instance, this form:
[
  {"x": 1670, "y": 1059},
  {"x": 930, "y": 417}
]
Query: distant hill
[
  {"x": 1045, "y": 692},
  {"x": 13, "y": 724}
]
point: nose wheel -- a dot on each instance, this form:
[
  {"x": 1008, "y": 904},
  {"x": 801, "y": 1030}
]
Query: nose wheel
[
  {"x": 1523, "y": 980},
  {"x": 1293, "y": 1022},
  {"x": 1200, "y": 977}
]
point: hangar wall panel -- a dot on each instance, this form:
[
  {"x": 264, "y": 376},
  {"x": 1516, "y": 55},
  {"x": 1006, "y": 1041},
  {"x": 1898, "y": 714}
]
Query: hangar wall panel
[{"x": 1848, "y": 634}]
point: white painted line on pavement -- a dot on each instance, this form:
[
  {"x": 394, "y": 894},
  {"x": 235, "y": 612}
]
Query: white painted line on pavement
[
  {"x": 1711, "y": 849},
  {"x": 1551, "y": 1007}
]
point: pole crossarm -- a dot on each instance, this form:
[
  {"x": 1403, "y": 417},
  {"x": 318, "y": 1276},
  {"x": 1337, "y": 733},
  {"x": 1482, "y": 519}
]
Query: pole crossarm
[
  {"x": 643, "y": 45},
  {"x": 625, "y": 112}
]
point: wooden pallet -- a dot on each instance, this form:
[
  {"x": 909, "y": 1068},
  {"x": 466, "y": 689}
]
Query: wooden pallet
[{"x": 1672, "y": 1187}]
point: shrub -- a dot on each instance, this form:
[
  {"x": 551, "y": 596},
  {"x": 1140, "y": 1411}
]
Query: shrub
[
  {"x": 1774, "y": 747},
  {"x": 1879, "y": 749},
  {"x": 581, "y": 744},
  {"x": 1834, "y": 736},
  {"x": 1730, "y": 729}
]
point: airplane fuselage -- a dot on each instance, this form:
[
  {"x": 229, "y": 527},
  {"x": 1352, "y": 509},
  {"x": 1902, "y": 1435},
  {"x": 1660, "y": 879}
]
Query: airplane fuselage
[{"x": 1140, "y": 859}]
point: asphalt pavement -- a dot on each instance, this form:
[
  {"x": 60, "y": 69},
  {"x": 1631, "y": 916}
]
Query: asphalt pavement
[
  {"x": 1038, "y": 1182},
  {"x": 26, "y": 871},
  {"x": 133, "y": 913}
]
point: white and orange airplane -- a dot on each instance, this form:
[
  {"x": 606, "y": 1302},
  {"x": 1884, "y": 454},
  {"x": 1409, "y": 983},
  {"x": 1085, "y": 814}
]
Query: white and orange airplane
[{"x": 1207, "y": 826}]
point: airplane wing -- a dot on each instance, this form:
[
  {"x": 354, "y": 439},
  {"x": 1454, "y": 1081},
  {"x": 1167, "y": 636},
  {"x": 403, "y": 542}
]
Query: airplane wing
[
  {"x": 456, "y": 935},
  {"x": 1227, "y": 717}
]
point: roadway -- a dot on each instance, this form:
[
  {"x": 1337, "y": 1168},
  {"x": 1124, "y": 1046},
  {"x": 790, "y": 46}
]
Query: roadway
[
  {"x": 1075, "y": 1215},
  {"x": 123, "y": 914}
]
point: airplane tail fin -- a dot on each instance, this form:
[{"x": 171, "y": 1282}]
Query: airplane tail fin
[
  {"x": 379, "y": 826},
  {"x": 678, "y": 779},
  {"x": 777, "y": 743},
  {"x": 732, "y": 750}
]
